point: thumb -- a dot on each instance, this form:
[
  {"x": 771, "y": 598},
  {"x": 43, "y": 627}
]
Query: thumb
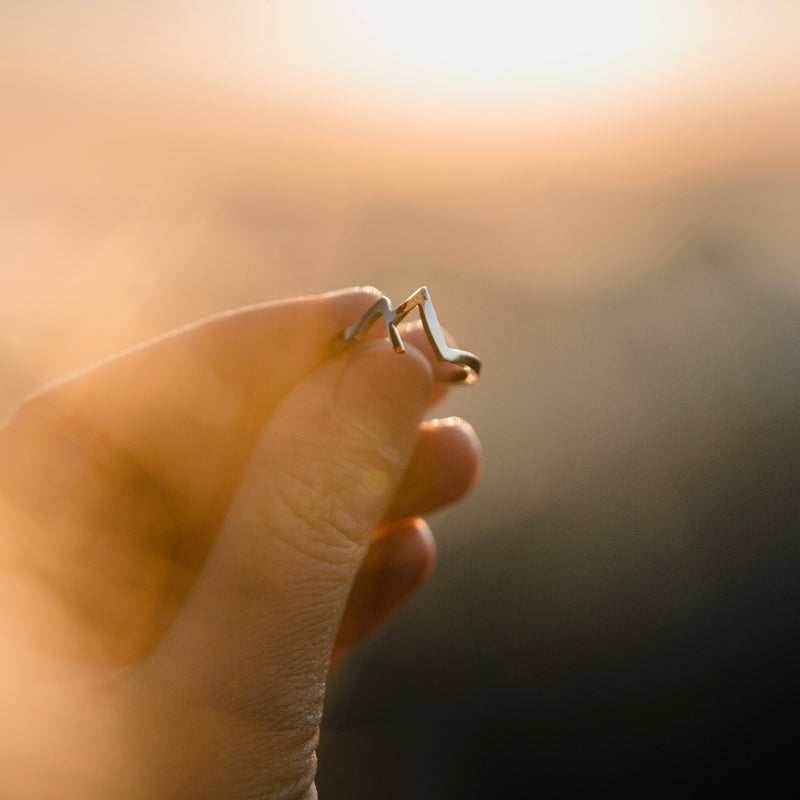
[{"x": 257, "y": 629}]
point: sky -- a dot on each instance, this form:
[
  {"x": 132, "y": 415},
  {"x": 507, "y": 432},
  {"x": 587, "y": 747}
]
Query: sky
[
  {"x": 312, "y": 135},
  {"x": 505, "y": 59}
]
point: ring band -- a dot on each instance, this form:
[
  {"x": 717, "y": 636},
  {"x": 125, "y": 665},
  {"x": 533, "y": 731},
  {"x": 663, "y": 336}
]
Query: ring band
[{"x": 470, "y": 363}]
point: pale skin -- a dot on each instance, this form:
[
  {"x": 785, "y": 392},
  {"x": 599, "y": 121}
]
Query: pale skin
[{"x": 192, "y": 531}]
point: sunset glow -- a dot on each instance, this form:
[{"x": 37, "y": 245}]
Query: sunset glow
[
  {"x": 449, "y": 57},
  {"x": 440, "y": 58},
  {"x": 496, "y": 54}
]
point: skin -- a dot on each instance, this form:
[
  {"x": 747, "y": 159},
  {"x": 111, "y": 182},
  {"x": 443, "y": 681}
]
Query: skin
[{"x": 192, "y": 531}]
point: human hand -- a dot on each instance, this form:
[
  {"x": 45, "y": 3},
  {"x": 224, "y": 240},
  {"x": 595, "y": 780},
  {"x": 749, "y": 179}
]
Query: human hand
[{"x": 188, "y": 533}]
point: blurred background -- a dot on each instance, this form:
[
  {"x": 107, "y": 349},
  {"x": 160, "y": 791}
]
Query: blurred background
[{"x": 603, "y": 198}]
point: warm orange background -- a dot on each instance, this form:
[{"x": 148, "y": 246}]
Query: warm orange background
[
  {"x": 162, "y": 161},
  {"x": 604, "y": 201}
]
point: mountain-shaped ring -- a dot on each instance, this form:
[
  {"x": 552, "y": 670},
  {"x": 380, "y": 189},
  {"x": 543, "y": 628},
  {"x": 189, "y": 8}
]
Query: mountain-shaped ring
[{"x": 469, "y": 362}]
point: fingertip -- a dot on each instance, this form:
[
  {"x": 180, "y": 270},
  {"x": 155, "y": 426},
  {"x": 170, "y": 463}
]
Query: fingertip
[
  {"x": 384, "y": 393},
  {"x": 409, "y": 544},
  {"x": 446, "y": 374},
  {"x": 398, "y": 561},
  {"x": 460, "y": 443},
  {"x": 461, "y": 438},
  {"x": 444, "y": 468},
  {"x": 354, "y": 290}
]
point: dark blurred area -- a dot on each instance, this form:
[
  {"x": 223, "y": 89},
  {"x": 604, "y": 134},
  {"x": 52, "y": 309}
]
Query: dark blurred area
[
  {"x": 637, "y": 627},
  {"x": 617, "y": 605}
]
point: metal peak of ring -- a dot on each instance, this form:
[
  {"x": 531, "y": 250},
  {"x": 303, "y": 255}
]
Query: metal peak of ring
[{"x": 469, "y": 362}]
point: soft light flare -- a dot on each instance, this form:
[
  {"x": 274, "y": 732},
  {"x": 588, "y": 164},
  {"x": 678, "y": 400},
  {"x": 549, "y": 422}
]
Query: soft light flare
[{"x": 507, "y": 52}]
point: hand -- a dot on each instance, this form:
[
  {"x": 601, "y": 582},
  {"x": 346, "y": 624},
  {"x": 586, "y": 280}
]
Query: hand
[{"x": 190, "y": 531}]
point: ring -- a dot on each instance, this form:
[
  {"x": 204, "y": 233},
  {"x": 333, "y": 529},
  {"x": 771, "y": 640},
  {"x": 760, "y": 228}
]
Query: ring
[{"x": 470, "y": 363}]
